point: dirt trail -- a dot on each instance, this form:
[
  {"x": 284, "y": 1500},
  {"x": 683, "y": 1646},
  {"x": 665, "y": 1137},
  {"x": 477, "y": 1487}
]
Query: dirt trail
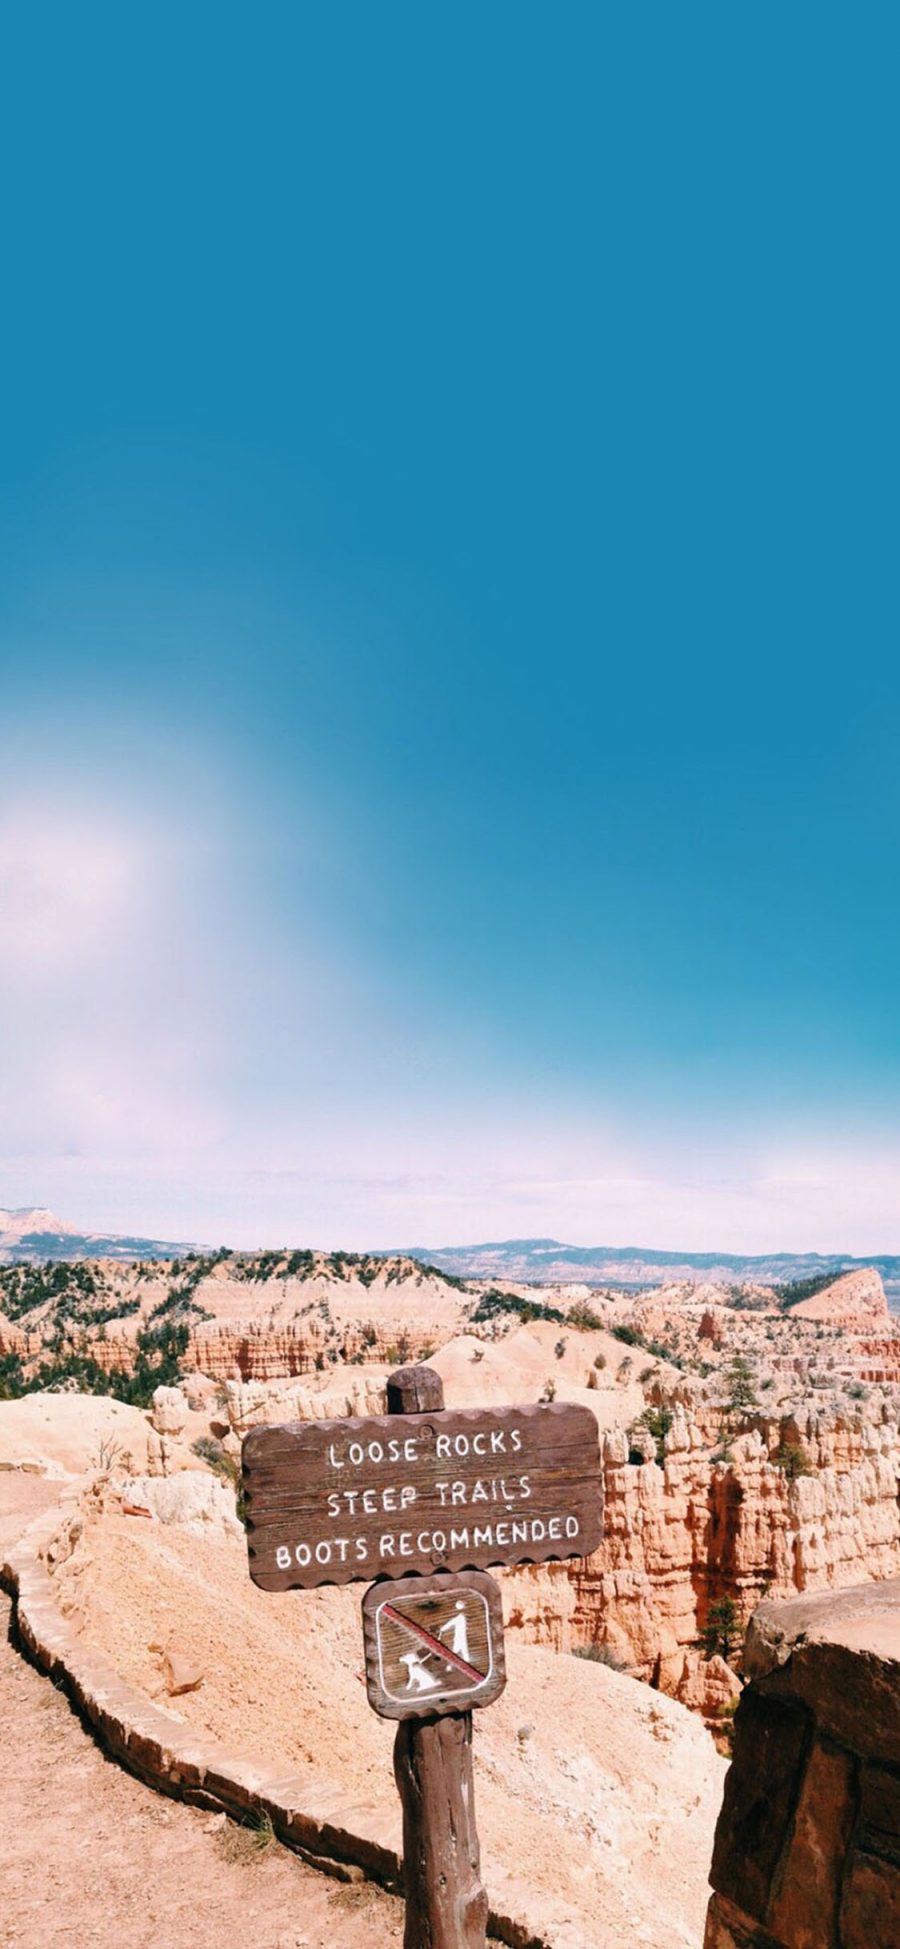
[{"x": 90, "y": 1856}]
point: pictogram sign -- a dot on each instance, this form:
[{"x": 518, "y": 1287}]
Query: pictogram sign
[
  {"x": 445, "y": 1492},
  {"x": 433, "y": 1644}
]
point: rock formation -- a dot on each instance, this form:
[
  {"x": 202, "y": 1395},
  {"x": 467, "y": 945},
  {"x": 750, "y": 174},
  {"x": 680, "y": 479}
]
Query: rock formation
[
  {"x": 680, "y": 1537},
  {"x": 807, "y": 1850},
  {"x": 856, "y": 1300}
]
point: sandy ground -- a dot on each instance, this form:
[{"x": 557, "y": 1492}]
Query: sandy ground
[
  {"x": 598, "y": 1794},
  {"x": 518, "y": 1366},
  {"x": 60, "y": 1434},
  {"x": 90, "y": 1856}
]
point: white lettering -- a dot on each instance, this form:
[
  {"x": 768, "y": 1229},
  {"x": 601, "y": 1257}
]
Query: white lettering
[
  {"x": 406, "y": 1548},
  {"x": 356, "y": 1454},
  {"x": 442, "y": 1448},
  {"x": 524, "y": 1487},
  {"x": 482, "y": 1538},
  {"x": 502, "y": 1534},
  {"x": 333, "y": 1458},
  {"x": 376, "y": 1452},
  {"x": 572, "y": 1526},
  {"x": 334, "y": 1503},
  {"x": 555, "y": 1528},
  {"x": 386, "y": 1546},
  {"x": 516, "y": 1439},
  {"x": 283, "y": 1557},
  {"x": 361, "y": 1549},
  {"x": 323, "y": 1553},
  {"x": 478, "y": 1443},
  {"x": 538, "y": 1530},
  {"x": 303, "y": 1554}
]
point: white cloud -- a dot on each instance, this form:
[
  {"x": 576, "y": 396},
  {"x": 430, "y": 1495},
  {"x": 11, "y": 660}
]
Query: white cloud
[
  {"x": 65, "y": 883},
  {"x": 174, "y": 1061}
]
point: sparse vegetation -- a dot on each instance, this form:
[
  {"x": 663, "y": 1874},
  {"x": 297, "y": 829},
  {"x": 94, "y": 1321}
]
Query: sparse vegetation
[
  {"x": 739, "y": 1382},
  {"x": 631, "y": 1338},
  {"x": 216, "y": 1457},
  {"x": 11, "y": 1377},
  {"x": 245, "y": 1843},
  {"x": 600, "y": 1654},
  {"x": 582, "y": 1316},
  {"x": 493, "y": 1303},
  {"x": 657, "y": 1421},
  {"x": 722, "y": 1631},
  {"x": 793, "y": 1460},
  {"x": 796, "y": 1289},
  {"x": 159, "y": 1354}
]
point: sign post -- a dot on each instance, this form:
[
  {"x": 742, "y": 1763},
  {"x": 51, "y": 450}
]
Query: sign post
[
  {"x": 446, "y": 1901},
  {"x": 423, "y": 1500}
]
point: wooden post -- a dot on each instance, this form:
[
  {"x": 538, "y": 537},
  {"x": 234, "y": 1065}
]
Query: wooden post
[{"x": 446, "y": 1903}]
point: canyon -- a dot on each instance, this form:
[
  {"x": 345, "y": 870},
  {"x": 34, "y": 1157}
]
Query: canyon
[
  {"x": 749, "y": 1450},
  {"x": 750, "y": 1441}
]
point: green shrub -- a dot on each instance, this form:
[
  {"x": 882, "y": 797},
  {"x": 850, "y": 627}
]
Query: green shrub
[
  {"x": 793, "y": 1460},
  {"x": 797, "y": 1289},
  {"x": 722, "y": 1631},
  {"x": 582, "y": 1316},
  {"x": 493, "y": 1303}
]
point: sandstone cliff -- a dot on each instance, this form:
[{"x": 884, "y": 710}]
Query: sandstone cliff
[
  {"x": 680, "y": 1537},
  {"x": 807, "y": 1851}
]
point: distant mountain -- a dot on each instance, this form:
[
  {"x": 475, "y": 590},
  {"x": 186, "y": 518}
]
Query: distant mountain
[
  {"x": 33, "y": 1232},
  {"x": 547, "y": 1262},
  {"x": 36, "y": 1233}
]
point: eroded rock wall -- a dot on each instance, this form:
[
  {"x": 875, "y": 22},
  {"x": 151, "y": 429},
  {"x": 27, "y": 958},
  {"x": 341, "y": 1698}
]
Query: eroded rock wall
[
  {"x": 681, "y": 1536},
  {"x": 807, "y": 1849}
]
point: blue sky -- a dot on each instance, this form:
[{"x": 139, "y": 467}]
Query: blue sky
[{"x": 448, "y": 625}]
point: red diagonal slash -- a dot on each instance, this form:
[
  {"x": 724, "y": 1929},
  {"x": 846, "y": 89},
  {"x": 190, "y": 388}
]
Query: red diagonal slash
[{"x": 434, "y": 1644}]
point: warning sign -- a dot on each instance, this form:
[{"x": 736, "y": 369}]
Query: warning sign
[{"x": 433, "y": 1644}]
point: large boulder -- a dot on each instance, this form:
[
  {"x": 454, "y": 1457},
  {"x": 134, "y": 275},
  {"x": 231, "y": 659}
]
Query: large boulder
[{"x": 193, "y": 1500}]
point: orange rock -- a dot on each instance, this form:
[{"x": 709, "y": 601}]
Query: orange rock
[{"x": 180, "y": 1673}]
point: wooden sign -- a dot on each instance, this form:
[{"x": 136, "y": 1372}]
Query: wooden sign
[
  {"x": 433, "y": 1644},
  {"x": 330, "y": 1502}
]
